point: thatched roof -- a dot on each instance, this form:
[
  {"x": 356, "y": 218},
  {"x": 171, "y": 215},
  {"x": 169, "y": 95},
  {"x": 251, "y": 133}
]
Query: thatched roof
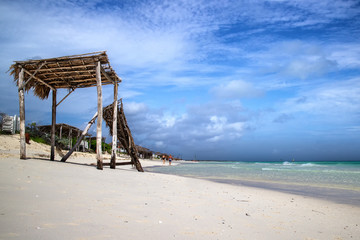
[
  {"x": 65, "y": 129},
  {"x": 71, "y": 72}
]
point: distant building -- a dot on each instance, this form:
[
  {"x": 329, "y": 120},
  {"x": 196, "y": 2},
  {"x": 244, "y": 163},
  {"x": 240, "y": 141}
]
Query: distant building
[
  {"x": 65, "y": 131},
  {"x": 144, "y": 152},
  {"x": 10, "y": 124}
]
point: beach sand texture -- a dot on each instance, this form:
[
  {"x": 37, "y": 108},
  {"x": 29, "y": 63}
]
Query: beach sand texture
[{"x": 41, "y": 199}]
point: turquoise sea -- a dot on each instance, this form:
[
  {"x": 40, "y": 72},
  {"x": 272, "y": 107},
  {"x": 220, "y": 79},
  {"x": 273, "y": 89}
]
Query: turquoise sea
[{"x": 335, "y": 181}]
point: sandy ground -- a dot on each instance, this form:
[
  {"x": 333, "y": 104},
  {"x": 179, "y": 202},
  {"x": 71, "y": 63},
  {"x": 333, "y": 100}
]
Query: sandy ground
[{"x": 40, "y": 199}]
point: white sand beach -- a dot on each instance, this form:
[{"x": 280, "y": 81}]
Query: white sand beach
[{"x": 40, "y": 199}]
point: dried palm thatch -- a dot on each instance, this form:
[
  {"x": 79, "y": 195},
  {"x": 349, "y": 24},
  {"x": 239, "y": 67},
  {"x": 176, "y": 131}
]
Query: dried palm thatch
[
  {"x": 71, "y": 72},
  {"x": 124, "y": 133}
]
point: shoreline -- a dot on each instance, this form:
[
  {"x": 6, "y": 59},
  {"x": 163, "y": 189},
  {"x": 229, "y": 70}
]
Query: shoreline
[
  {"x": 342, "y": 196},
  {"x": 335, "y": 194}
]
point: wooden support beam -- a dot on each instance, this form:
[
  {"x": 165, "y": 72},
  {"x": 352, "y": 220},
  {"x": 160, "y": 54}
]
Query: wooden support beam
[
  {"x": 52, "y": 88},
  {"x": 107, "y": 75},
  {"x": 114, "y": 129},
  {"x": 53, "y": 125},
  {"x": 100, "y": 116},
  {"x": 60, "y": 69},
  {"x": 80, "y": 138},
  {"x": 118, "y": 163},
  {"x": 72, "y": 90},
  {"x": 22, "y": 115},
  {"x": 32, "y": 75}
]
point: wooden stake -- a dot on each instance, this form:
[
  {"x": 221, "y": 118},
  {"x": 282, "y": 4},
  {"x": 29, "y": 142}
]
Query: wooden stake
[
  {"x": 69, "y": 137},
  {"x": 22, "y": 115},
  {"x": 60, "y": 135},
  {"x": 80, "y": 138},
  {"x": 78, "y": 134},
  {"x": 114, "y": 130},
  {"x": 100, "y": 116},
  {"x": 53, "y": 125}
]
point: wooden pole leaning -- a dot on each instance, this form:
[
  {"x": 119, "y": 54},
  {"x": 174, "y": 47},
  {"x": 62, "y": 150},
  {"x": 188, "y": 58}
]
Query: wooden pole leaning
[
  {"x": 132, "y": 147},
  {"x": 114, "y": 128},
  {"x": 100, "y": 117},
  {"x": 22, "y": 115},
  {"x": 80, "y": 138},
  {"x": 53, "y": 125}
]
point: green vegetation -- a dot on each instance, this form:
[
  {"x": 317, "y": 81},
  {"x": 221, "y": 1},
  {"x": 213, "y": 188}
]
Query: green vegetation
[
  {"x": 104, "y": 146},
  {"x": 38, "y": 139}
]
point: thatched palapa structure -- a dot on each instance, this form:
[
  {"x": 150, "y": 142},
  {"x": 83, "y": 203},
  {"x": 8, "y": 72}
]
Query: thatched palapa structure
[{"x": 70, "y": 72}]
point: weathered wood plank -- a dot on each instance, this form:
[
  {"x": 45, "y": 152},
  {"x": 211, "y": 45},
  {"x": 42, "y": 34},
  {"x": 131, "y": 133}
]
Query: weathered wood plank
[
  {"x": 114, "y": 131},
  {"x": 22, "y": 115},
  {"x": 53, "y": 125},
  {"x": 106, "y": 75},
  {"x": 72, "y": 90},
  {"x": 60, "y": 135},
  {"x": 99, "y": 119},
  {"x": 33, "y": 74},
  {"x": 60, "y": 69},
  {"x": 40, "y": 80},
  {"x": 118, "y": 163}
]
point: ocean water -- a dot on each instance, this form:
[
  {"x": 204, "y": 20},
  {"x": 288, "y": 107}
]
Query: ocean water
[{"x": 335, "y": 181}]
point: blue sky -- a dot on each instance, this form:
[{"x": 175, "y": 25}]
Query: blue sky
[{"x": 233, "y": 80}]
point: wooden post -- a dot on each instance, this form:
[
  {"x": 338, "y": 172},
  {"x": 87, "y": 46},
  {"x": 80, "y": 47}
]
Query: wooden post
[
  {"x": 78, "y": 134},
  {"x": 53, "y": 125},
  {"x": 60, "y": 135},
  {"x": 69, "y": 138},
  {"x": 22, "y": 115},
  {"x": 114, "y": 130},
  {"x": 99, "y": 119}
]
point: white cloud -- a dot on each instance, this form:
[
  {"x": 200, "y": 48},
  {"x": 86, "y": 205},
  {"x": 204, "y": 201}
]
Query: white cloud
[
  {"x": 334, "y": 99},
  {"x": 296, "y": 59},
  {"x": 214, "y": 139},
  {"x": 346, "y": 55},
  {"x": 219, "y": 128},
  {"x": 236, "y": 89},
  {"x": 168, "y": 121},
  {"x": 216, "y": 124},
  {"x": 159, "y": 144},
  {"x": 237, "y": 126},
  {"x": 304, "y": 67},
  {"x": 133, "y": 108}
]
